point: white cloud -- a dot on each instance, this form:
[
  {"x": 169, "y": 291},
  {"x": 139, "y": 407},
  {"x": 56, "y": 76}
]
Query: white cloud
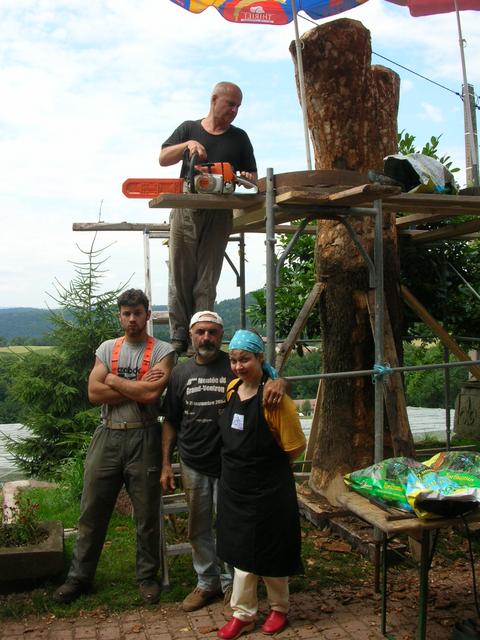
[{"x": 431, "y": 113}]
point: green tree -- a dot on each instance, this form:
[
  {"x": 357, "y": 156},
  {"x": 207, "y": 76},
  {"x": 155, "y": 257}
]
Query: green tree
[
  {"x": 297, "y": 277},
  {"x": 308, "y": 364},
  {"x": 306, "y": 407},
  {"x": 52, "y": 387},
  {"x": 9, "y": 407},
  {"x": 426, "y": 388}
]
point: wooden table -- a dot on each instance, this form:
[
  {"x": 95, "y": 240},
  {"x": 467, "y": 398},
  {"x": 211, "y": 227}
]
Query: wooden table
[{"x": 418, "y": 528}]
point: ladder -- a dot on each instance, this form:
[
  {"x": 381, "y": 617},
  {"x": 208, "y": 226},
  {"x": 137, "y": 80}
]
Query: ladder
[{"x": 171, "y": 505}]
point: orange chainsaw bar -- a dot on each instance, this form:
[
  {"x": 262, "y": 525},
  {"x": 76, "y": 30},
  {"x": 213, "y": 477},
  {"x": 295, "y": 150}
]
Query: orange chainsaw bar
[
  {"x": 154, "y": 187},
  {"x": 151, "y": 187}
]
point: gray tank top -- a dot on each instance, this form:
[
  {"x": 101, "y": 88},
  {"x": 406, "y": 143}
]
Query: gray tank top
[{"x": 129, "y": 363}]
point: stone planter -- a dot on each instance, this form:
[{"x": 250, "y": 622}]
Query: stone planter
[{"x": 35, "y": 562}]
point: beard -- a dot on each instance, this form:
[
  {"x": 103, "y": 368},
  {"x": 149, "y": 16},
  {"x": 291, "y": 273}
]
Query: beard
[{"x": 206, "y": 350}]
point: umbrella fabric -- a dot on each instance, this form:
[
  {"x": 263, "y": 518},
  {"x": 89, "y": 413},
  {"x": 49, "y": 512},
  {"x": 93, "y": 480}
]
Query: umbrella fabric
[
  {"x": 280, "y": 11},
  {"x": 269, "y": 11},
  {"x": 431, "y": 7}
]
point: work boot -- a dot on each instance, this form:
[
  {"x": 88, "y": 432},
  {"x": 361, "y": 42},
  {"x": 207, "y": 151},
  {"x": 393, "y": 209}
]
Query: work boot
[
  {"x": 70, "y": 591},
  {"x": 150, "y": 591},
  {"x": 198, "y": 598}
]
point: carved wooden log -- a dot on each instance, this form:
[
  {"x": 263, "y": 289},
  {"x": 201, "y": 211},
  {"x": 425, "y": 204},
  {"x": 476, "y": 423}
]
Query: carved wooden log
[{"x": 352, "y": 115}]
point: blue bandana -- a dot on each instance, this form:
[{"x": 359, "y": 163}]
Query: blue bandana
[{"x": 249, "y": 341}]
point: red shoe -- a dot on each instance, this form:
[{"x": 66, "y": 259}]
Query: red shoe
[
  {"x": 235, "y": 627},
  {"x": 275, "y": 622}
]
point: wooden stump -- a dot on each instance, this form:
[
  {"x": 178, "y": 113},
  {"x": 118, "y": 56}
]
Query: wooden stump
[{"x": 352, "y": 115}]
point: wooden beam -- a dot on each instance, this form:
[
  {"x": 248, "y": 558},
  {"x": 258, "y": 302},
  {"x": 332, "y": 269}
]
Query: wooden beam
[
  {"x": 314, "y": 427},
  {"x": 119, "y": 226},
  {"x": 416, "y": 219},
  {"x": 432, "y": 203},
  {"x": 340, "y": 197},
  {"x": 437, "y": 329},
  {"x": 449, "y": 231},
  {"x": 206, "y": 201}
]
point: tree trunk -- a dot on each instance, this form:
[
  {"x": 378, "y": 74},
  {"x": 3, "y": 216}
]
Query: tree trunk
[{"x": 352, "y": 113}]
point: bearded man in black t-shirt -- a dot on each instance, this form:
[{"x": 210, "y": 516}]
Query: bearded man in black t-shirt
[
  {"x": 196, "y": 394},
  {"x": 198, "y": 237}
]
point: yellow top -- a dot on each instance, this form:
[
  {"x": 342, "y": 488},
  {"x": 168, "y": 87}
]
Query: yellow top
[{"x": 283, "y": 421}]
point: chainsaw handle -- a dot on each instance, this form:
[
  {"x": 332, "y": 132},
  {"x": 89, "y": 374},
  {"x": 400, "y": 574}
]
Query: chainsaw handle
[{"x": 194, "y": 158}]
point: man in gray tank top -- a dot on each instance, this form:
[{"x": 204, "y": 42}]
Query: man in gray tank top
[{"x": 128, "y": 379}]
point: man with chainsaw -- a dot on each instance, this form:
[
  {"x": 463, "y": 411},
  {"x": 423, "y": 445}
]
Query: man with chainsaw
[
  {"x": 196, "y": 394},
  {"x": 127, "y": 379},
  {"x": 199, "y": 237}
]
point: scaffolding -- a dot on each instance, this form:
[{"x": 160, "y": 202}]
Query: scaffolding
[{"x": 273, "y": 210}]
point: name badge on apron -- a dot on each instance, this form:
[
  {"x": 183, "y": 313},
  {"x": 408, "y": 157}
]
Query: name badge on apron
[{"x": 237, "y": 421}]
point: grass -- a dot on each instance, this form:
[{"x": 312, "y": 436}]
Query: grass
[
  {"x": 115, "y": 587},
  {"x": 21, "y": 349}
]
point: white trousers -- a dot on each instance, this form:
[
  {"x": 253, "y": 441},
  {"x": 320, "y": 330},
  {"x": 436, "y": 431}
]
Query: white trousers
[{"x": 244, "y": 600}]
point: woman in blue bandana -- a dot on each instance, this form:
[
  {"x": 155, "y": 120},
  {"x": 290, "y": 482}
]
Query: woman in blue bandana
[{"x": 258, "y": 526}]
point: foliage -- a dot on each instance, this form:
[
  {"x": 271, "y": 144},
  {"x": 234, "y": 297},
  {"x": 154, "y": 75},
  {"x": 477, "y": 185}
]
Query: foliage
[
  {"x": 51, "y": 386},
  {"x": 86, "y": 316},
  {"x": 306, "y": 407},
  {"x": 406, "y": 145},
  {"x": 71, "y": 471},
  {"x": 426, "y": 388},
  {"x": 23, "y": 526},
  {"x": 9, "y": 407},
  {"x": 430, "y": 271},
  {"x": 309, "y": 364},
  {"x": 297, "y": 277}
]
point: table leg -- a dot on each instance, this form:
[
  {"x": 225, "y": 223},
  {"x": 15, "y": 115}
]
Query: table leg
[
  {"x": 424, "y": 568},
  {"x": 384, "y": 583}
]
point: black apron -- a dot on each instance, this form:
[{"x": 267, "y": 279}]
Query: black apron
[{"x": 258, "y": 525}]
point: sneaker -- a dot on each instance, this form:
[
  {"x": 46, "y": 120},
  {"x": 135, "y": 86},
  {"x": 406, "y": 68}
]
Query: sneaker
[
  {"x": 234, "y": 628},
  {"x": 227, "y": 609},
  {"x": 198, "y": 598},
  {"x": 180, "y": 346},
  {"x": 70, "y": 591},
  {"x": 150, "y": 591}
]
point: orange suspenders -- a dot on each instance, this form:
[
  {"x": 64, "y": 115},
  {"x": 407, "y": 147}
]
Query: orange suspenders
[{"x": 147, "y": 356}]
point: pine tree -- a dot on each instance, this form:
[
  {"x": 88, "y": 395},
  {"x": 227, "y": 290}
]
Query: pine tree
[{"x": 51, "y": 386}]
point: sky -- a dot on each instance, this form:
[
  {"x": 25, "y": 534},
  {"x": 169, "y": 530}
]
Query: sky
[{"x": 90, "y": 90}]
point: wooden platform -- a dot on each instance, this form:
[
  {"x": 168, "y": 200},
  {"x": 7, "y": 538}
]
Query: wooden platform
[{"x": 326, "y": 194}]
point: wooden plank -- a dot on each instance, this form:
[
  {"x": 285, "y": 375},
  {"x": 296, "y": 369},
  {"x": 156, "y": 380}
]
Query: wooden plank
[
  {"x": 322, "y": 177},
  {"x": 206, "y": 201},
  {"x": 437, "y": 329},
  {"x": 299, "y": 325},
  {"x": 447, "y": 232},
  {"x": 351, "y": 196},
  {"x": 415, "y": 219},
  {"x": 418, "y": 202},
  {"x": 119, "y": 226},
  {"x": 315, "y": 425},
  {"x": 377, "y": 517},
  {"x": 393, "y": 391}
]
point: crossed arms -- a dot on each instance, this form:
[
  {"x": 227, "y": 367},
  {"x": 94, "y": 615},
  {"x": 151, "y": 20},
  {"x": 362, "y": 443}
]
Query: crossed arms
[{"x": 107, "y": 388}]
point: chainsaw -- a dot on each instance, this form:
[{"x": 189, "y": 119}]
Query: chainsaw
[{"x": 202, "y": 178}]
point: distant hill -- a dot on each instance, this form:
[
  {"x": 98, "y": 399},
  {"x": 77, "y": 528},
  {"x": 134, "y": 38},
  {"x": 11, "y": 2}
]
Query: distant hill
[
  {"x": 24, "y": 322},
  {"x": 29, "y": 322}
]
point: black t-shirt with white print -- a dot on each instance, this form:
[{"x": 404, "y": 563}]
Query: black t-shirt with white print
[{"x": 195, "y": 395}]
